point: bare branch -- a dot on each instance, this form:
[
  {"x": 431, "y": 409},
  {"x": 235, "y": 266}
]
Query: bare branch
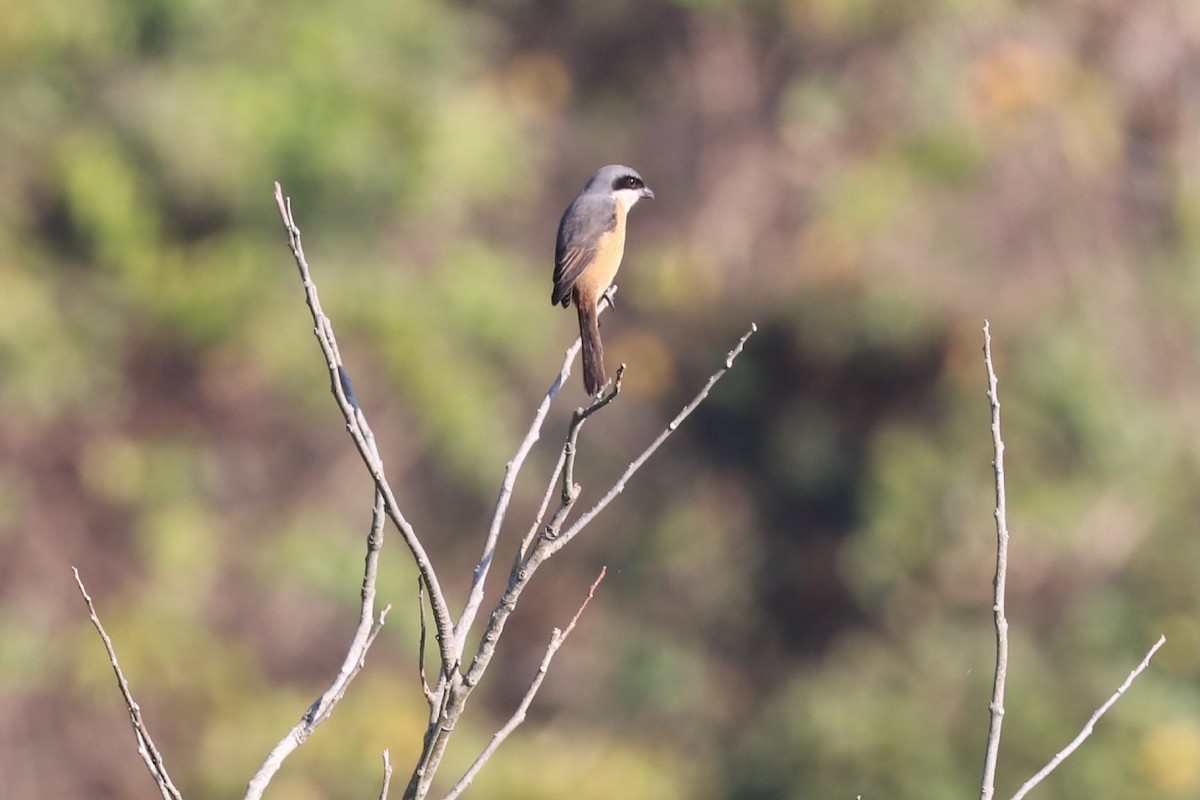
[
  {"x": 532, "y": 554},
  {"x": 556, "y": 641},
  {"x": 1091, "y": 723},
  {"x": 996, "y": 707},
  {"x": 364, "y": 440},
  {"x": 447, "y": 700},
  {"x": 511, "y": 470},
  {"x": 548, "y": 544},
  {"x": 364, "y": 636},
  {"x": 618, "y": 487},
  {"x": 146, "y": 748}
]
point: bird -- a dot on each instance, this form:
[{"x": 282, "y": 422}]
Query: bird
[{"x": 591, "y": 242}]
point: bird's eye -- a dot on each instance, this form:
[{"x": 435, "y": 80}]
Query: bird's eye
[{"x": 631, "y": 182}]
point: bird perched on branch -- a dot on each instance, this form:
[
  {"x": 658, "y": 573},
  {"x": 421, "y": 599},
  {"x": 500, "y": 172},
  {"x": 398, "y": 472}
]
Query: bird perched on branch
[{"x": 591, "y": 241}]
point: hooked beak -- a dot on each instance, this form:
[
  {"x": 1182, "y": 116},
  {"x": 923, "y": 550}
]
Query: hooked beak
[{"x": 646, "y": 193}]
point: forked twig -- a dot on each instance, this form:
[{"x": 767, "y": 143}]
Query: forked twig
[
  {"x": 364, "y": 440},
  {"x": 618, "y": 487},
  {"x": 548, "y": 543},
  {"x": 557, "y": 638},
  {"x": 988, "y": 788},
  {"x": 385, "y": 507},
  {"x": 566, "y": 461},
  {"x": 569, "y": 492},
  {"x": 364, "y": 636},
  {"x": 513, "y": 468},
  {"x": 532, "y": 553}
]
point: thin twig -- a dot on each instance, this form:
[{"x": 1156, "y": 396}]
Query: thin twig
[
  {"x": 1091, "y": 723},
  {"x": 996, "y": 707},
  {"x": 364, "y": 636},
  {"x": 556, "y": 641},
  {"x": 364, "y": 439},
  {"x": 387, "y": 776},
  {"x": 146, "y": 748},
  {"x": 475, "y": 596},
  {"x": 618, "y": 487}
]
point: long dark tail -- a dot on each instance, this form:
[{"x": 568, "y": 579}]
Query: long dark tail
[{"x": 593, "y": 349}]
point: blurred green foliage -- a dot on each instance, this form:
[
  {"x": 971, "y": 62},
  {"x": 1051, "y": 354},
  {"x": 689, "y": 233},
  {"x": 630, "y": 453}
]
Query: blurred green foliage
[{"x": 798, "y": 601}]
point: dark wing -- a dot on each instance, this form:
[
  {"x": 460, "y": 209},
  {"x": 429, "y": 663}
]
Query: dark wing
[{"x": 587, "y": 219}]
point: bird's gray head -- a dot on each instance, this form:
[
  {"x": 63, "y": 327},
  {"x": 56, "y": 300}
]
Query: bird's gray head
[{"x": 625, "y": 184}]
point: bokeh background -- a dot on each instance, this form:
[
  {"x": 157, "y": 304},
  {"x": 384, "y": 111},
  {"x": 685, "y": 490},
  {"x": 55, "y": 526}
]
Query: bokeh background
[{"x": 798, "y": 600}]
